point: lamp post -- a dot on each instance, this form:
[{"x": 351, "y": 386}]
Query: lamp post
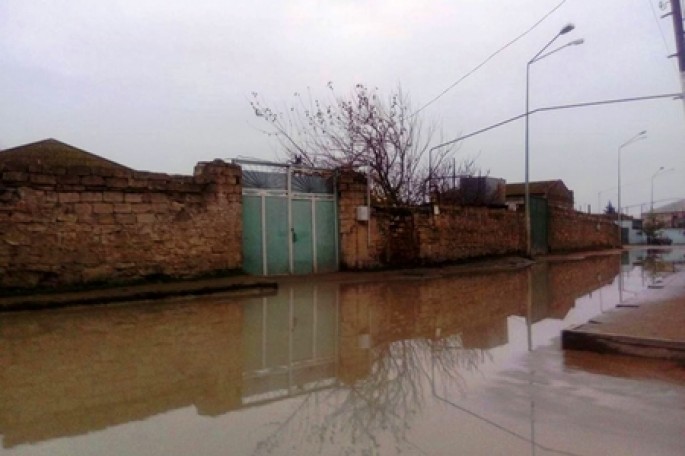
[
  {"x": 651, "y": 195},
  {"x": 539, "y": 56},
  {"x": 659, "y": 172},
  {"x": 637, "y": 137}
]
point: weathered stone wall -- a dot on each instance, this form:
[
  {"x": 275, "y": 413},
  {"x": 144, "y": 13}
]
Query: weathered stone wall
[
  {"x": 424, "y": 235},
  {"x": 419, "y": 236},
  {"x": 73, "y": 225},
  {"x": 458, "y": 233},
  {"x": 359, "y": 241},
  {"x": 571, "y": 230}
]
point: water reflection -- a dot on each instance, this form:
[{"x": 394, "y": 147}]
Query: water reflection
[
  {"x": 362, "y": 360},
  {"x": 652, "y": 265}
]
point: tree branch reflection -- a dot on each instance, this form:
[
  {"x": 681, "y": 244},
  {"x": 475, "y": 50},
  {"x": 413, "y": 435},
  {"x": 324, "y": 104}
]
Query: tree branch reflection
[{"x": 377, "y": 410}]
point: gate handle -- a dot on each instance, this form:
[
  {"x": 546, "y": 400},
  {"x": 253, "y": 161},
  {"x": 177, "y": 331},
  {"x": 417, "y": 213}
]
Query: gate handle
[{"x": 294, "y": 234}]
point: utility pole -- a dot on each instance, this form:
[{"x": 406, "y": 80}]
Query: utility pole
[{"x": 677, "y": 16}]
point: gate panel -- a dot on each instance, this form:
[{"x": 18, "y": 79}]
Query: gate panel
[
  {"x": 326, "y": 234},
  {"x": 290, "y": 221},
  {"x": 303, "y": 249},
  {"x": 276, "y": 209},
  {"x": 252, "y": 235}
]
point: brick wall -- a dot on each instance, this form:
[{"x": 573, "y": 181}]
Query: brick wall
[
  {"x": 418, "y": 236},
  {"x": 73, "y": 225},
  {"x": 571, "y": 230},
  {"x": 458, "y": 233},
  {"x": 422, "y": 235},
  {"x": 359, "y": 241}
]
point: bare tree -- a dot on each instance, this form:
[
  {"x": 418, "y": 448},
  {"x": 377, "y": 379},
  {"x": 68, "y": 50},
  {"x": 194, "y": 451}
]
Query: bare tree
[{"x": 359, "y": 131}]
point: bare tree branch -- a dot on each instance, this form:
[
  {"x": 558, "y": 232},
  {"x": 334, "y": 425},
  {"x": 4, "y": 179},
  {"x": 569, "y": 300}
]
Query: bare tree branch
[{"x": 361, "y": 130}]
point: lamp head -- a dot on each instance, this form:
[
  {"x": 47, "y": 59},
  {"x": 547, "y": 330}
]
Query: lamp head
[
  {"x": 576, "y": 42},
  {"x": 643, "y": 132},
  {"x": 567, "y": 28}
]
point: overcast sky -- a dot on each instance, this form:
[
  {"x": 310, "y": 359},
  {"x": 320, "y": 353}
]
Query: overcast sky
[{"x": 159, "y": 85}]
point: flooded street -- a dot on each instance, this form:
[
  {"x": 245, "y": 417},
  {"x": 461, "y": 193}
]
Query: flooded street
[{"x": 421, "y": 365}]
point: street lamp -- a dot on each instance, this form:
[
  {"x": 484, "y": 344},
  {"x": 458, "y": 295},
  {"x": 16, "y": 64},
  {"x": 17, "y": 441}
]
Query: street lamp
[
  {"x": 659, "y": 172},
  {"x": 539, "y": 56},
  {"x": 637, "y": 137}
]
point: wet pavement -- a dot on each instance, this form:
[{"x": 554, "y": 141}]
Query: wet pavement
[
  {"x": 420, "y": 364},
  {"x": 650, "y": 323}
]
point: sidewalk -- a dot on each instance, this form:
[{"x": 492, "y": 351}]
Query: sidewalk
[
  {"x": 235, "y": 286},
  {"x": 650, "y": 324},
  {"x": 241, "y": 286}
]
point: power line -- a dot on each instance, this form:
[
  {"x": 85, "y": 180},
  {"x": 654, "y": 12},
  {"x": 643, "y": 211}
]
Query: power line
[
  {"x": 490, "y": 57},
  {"x": 557, "y": 108}
]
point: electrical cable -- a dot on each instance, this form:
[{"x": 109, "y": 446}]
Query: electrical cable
[
  {"x": 557, "y": 108},
  {"x": 490, "y": 57}
]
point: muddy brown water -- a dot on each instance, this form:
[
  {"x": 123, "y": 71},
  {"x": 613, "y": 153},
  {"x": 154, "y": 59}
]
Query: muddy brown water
[{"x": 422, "y": 366}]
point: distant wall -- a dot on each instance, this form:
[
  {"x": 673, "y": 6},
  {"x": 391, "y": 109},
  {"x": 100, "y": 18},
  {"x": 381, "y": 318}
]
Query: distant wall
[
  {"x": 458, "y": 233},
  {"x": 74, "y": 225},
  {"x": 571, "y": 230},
  {"x": 431, "y": 235},
  {"x": 677, "y": 235},
  {"x": 418, "y": 236}
]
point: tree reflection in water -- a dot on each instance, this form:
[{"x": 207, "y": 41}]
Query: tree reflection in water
[{"x": 376, "y": 410}]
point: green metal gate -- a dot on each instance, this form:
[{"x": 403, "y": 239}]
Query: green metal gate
[
  {"x": 289, "y": 219},
  {"x": 539, "y": 218}
]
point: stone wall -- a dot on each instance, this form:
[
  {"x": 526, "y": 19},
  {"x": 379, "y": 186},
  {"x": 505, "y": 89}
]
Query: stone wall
[
  {"x": 359, "y": 241},
  {"x": 458, "y": 233},
  {"x": 439, "y": 234},
  {"x": 74, "y": 225},
  {"x": 571, "y": 230},
  {"x": 420, "y": 235}
]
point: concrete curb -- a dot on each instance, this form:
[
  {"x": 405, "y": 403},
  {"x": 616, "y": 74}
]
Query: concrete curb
[
  {"x": 137, "y": 294},
  {"x": 576, "y": 338},
  {"x": 650, "y": 324}
]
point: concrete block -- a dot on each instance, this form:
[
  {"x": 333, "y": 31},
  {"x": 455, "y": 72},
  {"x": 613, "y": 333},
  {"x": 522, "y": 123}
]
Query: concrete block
[
  {"x": 92, "y": 181},
  {"x": 43, "y": 179},
  {"x": 133, "y": 198},
  {"x": 126, "y": 219},
  {"x": 83, "y": 208},
  {"x": 14, "y": 176},
  {"x": 116, "y": 182},
  {"x": 91, "y": 197},
  {"x": 146, "y": 218},
  {"x": 122, "y": 208},
  {"x": 103, "y": 208},
  {"x": 71, "y": 197},
  {"x": 113, "y": 197}
]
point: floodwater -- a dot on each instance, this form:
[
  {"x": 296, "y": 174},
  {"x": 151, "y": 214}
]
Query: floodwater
[{"x": 419, "y": 366}]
